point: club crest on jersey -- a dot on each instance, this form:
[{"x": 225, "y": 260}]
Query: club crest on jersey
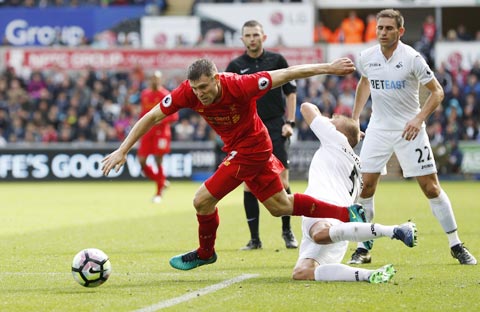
[
  {"x": 167, "y": 101},
  {"x": 263, "y": 83}
]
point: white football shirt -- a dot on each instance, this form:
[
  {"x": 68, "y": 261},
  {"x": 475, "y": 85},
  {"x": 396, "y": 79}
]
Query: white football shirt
[
  {"x": 334, "y": 173},
  {"x": 394, "y": 85}
]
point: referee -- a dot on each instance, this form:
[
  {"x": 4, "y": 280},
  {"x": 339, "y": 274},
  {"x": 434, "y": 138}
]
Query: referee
[{"x": 277, "y": 113}]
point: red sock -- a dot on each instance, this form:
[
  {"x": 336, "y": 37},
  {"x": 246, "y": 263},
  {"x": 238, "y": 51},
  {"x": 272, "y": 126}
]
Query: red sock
[
  {"x": 207, "y": 232},
  {"x": 147, "y": 170},
  {"x": 304, "y": 205},
  {"x": 160, "y": 179}
]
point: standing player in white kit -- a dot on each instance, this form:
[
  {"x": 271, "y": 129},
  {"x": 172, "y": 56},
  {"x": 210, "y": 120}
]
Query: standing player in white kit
[{"x": 391, "y": 73}]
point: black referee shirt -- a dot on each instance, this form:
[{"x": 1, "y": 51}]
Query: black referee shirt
[{"x": 272, "y": 104}]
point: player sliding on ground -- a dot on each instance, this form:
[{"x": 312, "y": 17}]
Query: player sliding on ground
[
  {"x": 334, "y": 177},
  {"x": 227, "y": 102}
]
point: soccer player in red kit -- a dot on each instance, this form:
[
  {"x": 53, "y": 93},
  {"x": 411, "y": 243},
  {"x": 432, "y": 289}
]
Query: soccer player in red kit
[
  {"x": 157, "y": 140},
  {"x": 227, "y": 102}
]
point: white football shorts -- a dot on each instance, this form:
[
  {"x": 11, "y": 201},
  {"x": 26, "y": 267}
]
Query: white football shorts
[
  {"x": 323, "y": 254},
  {"x": 415, "y": 157}
]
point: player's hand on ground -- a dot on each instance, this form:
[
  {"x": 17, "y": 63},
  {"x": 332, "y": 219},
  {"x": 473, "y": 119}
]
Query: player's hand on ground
[
  {"x": 342, "y": 66},
  {"x": 113, "y": 161}
]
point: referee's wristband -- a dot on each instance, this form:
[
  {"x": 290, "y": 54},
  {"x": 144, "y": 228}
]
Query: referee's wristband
[{"x": 291, "y": 123}]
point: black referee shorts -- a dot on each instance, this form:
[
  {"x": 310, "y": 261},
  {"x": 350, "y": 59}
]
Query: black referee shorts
[{"x": 279, "y": 142}]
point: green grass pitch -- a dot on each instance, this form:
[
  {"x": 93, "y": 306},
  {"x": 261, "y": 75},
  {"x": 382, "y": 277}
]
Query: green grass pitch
[{"x": 43, "y": 225}]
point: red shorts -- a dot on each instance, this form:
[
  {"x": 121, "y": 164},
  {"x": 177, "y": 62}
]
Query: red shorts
[
  {"x": 154, "y": 142},
  {"x": 262, "y": 178}
]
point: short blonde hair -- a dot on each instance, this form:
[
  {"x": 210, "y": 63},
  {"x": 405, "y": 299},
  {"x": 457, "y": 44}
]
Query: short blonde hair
[{"x": 348, "y": 127}]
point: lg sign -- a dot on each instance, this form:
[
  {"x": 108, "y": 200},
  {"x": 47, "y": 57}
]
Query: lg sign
[{"x": 19, "y": 32}]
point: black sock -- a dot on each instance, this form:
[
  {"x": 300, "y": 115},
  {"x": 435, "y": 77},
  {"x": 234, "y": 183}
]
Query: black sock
[
  {"x": 286, "y": 219},
  {"x": 252, "y": 212}
]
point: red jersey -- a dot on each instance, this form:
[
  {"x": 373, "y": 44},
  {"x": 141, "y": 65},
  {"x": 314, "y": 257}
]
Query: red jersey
[
  {"x": 157, "y": 140},
  {"x": 149, "y": 99},
  {"x": 234, "y": 117}
]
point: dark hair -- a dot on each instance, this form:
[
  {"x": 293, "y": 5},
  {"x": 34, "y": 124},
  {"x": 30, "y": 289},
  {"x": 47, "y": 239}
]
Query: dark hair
[
  {"x": 391, "y": 13},
  {"x": 201, "y": 67},
  {"x": 252, "y": 23}
]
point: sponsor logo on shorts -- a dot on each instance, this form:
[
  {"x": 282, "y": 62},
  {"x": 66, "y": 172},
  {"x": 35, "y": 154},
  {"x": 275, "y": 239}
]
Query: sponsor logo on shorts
[{"x": 427, "y": 166}]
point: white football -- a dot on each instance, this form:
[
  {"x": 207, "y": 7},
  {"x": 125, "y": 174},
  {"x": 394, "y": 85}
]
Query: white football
[{"x": 91, "y": 267}]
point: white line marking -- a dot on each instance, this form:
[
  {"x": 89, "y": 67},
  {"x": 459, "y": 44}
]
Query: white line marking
[{"x": 195, "y": 294}]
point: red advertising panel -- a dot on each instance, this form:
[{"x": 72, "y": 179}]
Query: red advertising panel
[{"x": 75, "y": 59}]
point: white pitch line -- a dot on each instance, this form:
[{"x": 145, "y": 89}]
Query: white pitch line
[{"x": 195, "y": 294}]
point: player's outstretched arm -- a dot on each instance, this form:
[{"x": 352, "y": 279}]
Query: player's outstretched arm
[
  {"x": 309, "y": 112},
  {"x": 341, "y": 66},
  {"x": 117, "y": 158}
]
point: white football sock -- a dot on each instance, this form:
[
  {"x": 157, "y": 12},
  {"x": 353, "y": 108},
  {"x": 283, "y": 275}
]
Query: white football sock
[
  {"x": 359, "y": 232},
  {"x": 368, "y": 205},
  {"x": 442, "y": 210},
  {"x": 341, "y": 272}
]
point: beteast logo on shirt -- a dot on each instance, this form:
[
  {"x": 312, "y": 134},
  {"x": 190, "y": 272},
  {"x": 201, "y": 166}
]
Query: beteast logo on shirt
[{"x": 243, "y": 71}]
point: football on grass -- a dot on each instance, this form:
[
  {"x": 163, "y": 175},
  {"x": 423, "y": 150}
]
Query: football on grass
[{"x": 91, "y": 267}]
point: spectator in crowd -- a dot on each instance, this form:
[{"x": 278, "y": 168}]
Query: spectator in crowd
[
  {"x": 35, "y": 85},
  {"x": 347, "y": 90},
  {"x": 471, "y": 110},
  {"x": 322, "y": 34},
  {"x": 371, "y": 28},
  {"x": 184, "y": 130},
  {"x": 427, "y": 38},
  {"x": 429, "y": 30},
  {"x": 463, "y": 34},
  {"x": 456, "y": 94},
  {"x": 451, "y": 35},
  {"x": 352, "y": 28},
  {"x": 476, "y": 68},
  {"x": 472, "y": 85},
  {"x": 444, "y": 77}
]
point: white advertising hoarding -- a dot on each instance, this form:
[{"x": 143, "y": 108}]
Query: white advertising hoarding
[
  {"x": 288, "y": 24},
  {"x": 457, "y": 54},
  {"x": 335, "y": 4},
  {"x": 352, "y": 51},
  {"x": 169, "y": 31}
]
